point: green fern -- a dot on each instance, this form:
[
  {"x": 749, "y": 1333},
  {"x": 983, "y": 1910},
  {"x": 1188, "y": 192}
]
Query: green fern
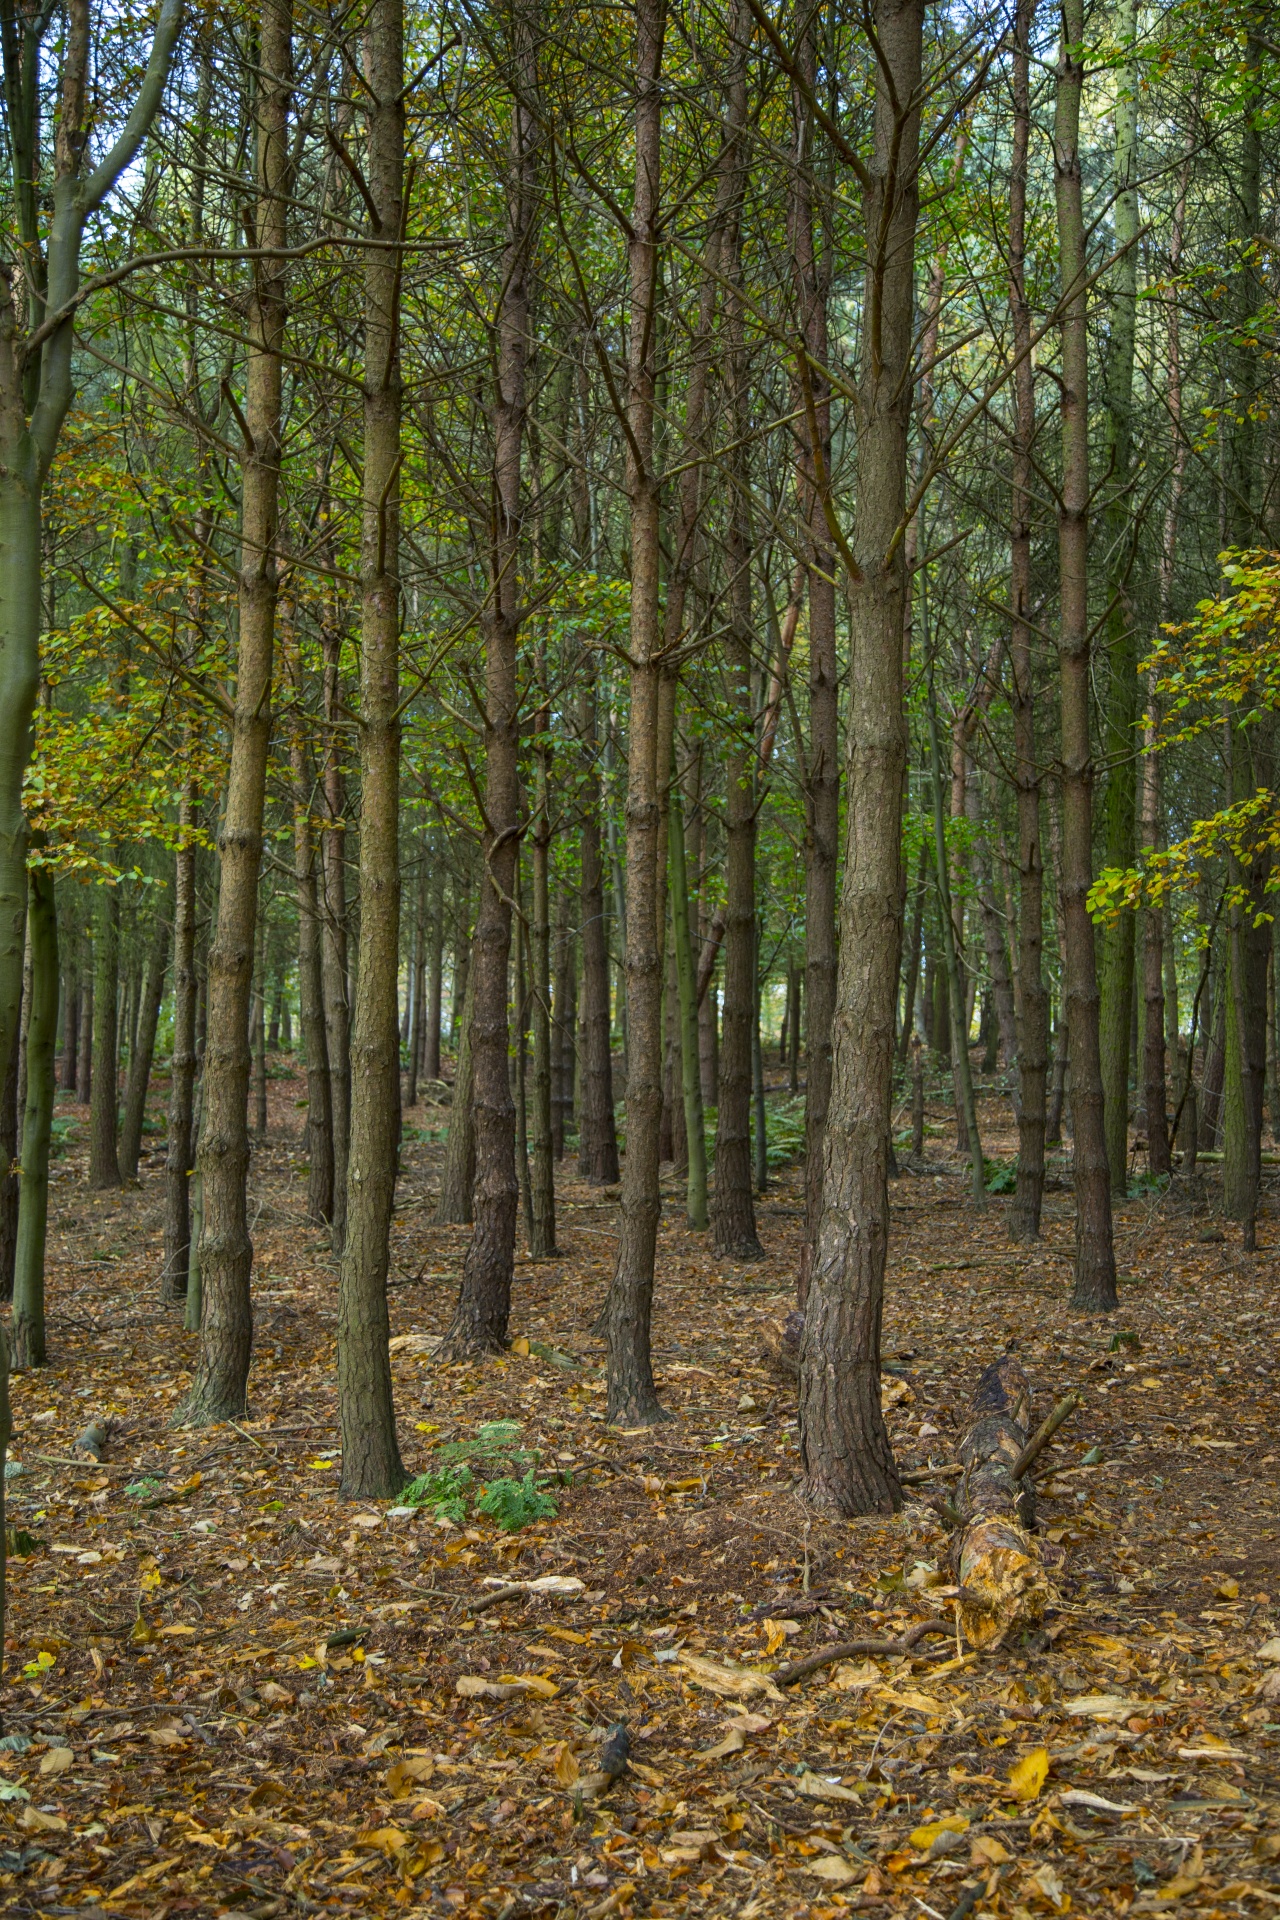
[
  {"x": 512, "y": 1504},
  {"x": 444, "y": 1491}
]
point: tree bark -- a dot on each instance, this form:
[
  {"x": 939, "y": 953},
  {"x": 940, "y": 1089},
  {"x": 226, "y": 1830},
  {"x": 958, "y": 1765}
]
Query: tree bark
[
  {"x": 182, "y": 1065},
  {"x": 28, "y": 1326},
  {"x": 542, "y": 1186},
  {"x": 371, "y": 1464},
  {"x": 1095, "y": 1266},
  {"x": 311, "y": 1008},
  {"x": 812, "y": 268},
  {"x": 435, "y": 985},
  {"x": 632, "y": 1397},
  {"x": 1032, "y": 1003},
  {"x": 480, "y": 1318},
  {"x": 417, "y": 982},
  {"x": 458, "y": 1174},
  {"x": 104, "y": 1104},
  {"x": 847, "y": 1458},
  {"x": 139, "y": 1080},
  {"x": 218, "y": 1391},
  {"x": 9, "y": 1180},
  {"x": 597, "y": 1131}
]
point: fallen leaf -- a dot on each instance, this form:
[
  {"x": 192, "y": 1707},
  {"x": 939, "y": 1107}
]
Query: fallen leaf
[
  {"x": 36, "y": 1822},
  {"x": 814, "y": 1787},
  {"x": 923, "y": 1837},
  {"x": 986, "y": 1851},
  {"x": 1081, "y": 1797},
  {"x": 1029, "y": 1774},
  {"x": 734, "y": 1741},
  {"x": 741, "y": 1681},
  {"x": 413, "y": 1770},
  {"x": 833, "y": 1868},
  {"x": 565, "y": 1769},
  {"x": 56, "y": 1760}
]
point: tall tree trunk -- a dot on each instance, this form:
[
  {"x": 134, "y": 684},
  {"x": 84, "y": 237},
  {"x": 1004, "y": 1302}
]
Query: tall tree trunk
[
  {"x": 334, "y": 938},
  {"x": 597, "y": 1132},
  {"x": 686, "y": 993},
  {"x": 182, "y": 1065},
  {"x": 70, "y": 1020},
  {"x": 454, "y": 1206},
  {"x": 542, "y": 1238},
  {"x": 9, "y": 1181},
  {"x": 84, "y": 1063},
  {"x": 1032, "y": 995},
  {"x": 371, "y": 1464},
  {"x": 218, "y": 1391},
  {"x": 480, "y": 1318},
  {"x": 1095, "y": 1266},
  {"x": 963, "y": 1064},
  {"x": 822, "y": 781},
  {"x": 417, "y": 981},
  {"x": 28, "y": 1330},
  {"x": 564, "y": 1009},
  {"x": 135, "y": 1096},
  {"x": 847, "y": 1458},
  {"x": 258, "y": 1028},
  {"x": 733, "y": 1220},
  {"x": 1119, "y": 524},
  {"x": 632, "y": 1398},
  {"x": 435, "y": 985},
  {"x": 311, "y": 1008},
  {"x": 104, "y": 1104}
]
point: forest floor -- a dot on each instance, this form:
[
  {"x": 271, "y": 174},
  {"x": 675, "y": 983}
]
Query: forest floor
[{"x": 227, "y": 1691}]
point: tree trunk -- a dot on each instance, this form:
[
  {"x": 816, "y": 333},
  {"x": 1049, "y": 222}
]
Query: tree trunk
[
  {"x": 70, "y": 1024},
  {"x": 1095, "y": 1266},
  {"x": 218, "y": 1391},
  {"x": 458, "y": 1174},
  {"x": 1120, "y": 524},
  {"x": 84, "y": 1063},
  {"x": 632, "y": 1398},
  {"x": 311, "y": 1008},
  {"x": 564, "y": 1009},
  {"x": 822, "y": 784},
  {"x": 28, "y": 1329},
  {"x": 542, "y": 1236},
  {"x": 1032, "y": 997},
  {"x": 182, "y": 1066},
  {"x": 963, "y": 1064},
  {"x": 435, "y": 986},
  {"x": 258, "y": 1028},
  {"x": 135, "y": 1098},
  {"x": 417, "y": 981},
  {"x": 597, "y": 1133},
  {"x": 480, "y": 1318},
  {"x": 371, "y": 1464},
  {"x": 9, "y": 1181},
  {"x": 686, "y": 993},
  {"x": 104, "y": 1106},
  {"x": 847, "y": 1458}
]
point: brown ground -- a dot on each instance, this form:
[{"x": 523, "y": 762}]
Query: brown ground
[{"x": 196, "y": 1748}]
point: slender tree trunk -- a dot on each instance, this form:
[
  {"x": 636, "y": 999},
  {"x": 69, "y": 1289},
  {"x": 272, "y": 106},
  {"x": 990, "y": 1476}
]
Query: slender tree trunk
[
  {"x": 9, "y": 1180},
  {"x": 104, "y": 1106},
  {"x": 822, "y": 784},
  {"x": 84, "y": 1064},
  {"x": 733, "y": 1220},
  {"x": 632, "y": 1397},
  {"x": 218, "y": 1391},
  {"x": 70, "y": 1022},
  {"x": 417, "y": 981},
  {"x": 311, "y": 1008},
  {"x": 845, "y": 1449},
  {"x": 955, "y": 986},
  {"x": 1119, "y": 524},
  {"x": 597, "y": 1133},
  {"x": 458, "y": 1174},
  {"x": 371, "y": 1465},
  {"x": 1032, "y": 996},
  {"x": 258, "y": 1029},
  {"x": 481, "y": 1316},
  {"x": 1095, "y": 1266},
  {"x": 542, "y": 1237},
  {"x": 135, "y": 1098},
  {"x": 686, "y": 990},
  {"x": 564, "y": 1008},
  {"x": 28, "y": 1328},
  {"x": 182, "y": 1066},
  {"x": 435, "y": 985}
]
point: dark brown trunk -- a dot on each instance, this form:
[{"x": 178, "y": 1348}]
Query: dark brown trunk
[
  {"x": 848, "y": 1461},
  {"x": 1095, "y": 1266},
  {"x": 182, "y": 1066},
  {"x": 135, "y": 1097},
  {"x": 10, "y": 1188},
  {"x": 597, "y": 1132},
  {"x": 481, "y": 1316},
  {"x": 104, "y": 1104},
  {"x": 315, "y": 1046},
  {"x": 454, "y": 1205},
  {"x": 632, "y": 1397}
]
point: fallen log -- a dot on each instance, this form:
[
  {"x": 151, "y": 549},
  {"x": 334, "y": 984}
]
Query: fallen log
[{"x": 995, "y": 1560}]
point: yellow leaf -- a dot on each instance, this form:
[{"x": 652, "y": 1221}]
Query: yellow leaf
[
  {"x": 566, "y": 1767},
  {"x": 1030, "y": 1774},
  {"x": 899, "y": 1862},
  {"x": 36, "y": 1822},
  {"x": 521, "y": 1347},
  {"x": 56, "y": 1760},
  {"x": 1228, "y": 1590},
  {"x": 150, "y": 1580},
  {"x": 387, "y": 1839},
  {"x": 833, "y": 1868},
  {"x": 987, "y": 1851},
  {"x": 177, "y": 1629},
  {"x": 776, "y": 1632},
  {"x": 923, "y": 1837},
  {"x": 734, "y": 1741},
  {"x": 406, "y": 1773},
  {"x": 321, "y": 1466}
]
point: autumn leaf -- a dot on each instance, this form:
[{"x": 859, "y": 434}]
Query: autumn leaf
[{"x": 1028, "y": 1775}]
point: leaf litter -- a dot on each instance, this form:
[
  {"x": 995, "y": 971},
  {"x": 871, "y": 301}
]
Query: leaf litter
[{"x": 230, "y": 1692}]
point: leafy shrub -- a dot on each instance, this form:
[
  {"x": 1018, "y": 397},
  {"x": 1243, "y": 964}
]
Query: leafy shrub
[
  {"x": 512, "y": 1504},
  {"x": 444, "y": 1491},
  {"x": 1000, "y": 1176}
]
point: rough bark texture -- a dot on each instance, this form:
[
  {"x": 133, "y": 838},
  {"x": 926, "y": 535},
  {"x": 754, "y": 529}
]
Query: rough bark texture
[
  {"x": 28, "y": 1328},
  {"x": 632, "y": 1398},
  {"x": 315, "y": 1040},
  {"x": 542, "y": 1189},
  {"x": 1032, "y": 998},
  {"x": 822, "y": 781},
  {"x": 848, "y": 1461},
  {"x": 458, "y": 1174},
  {"x": 333, "y": 939},
  {"x": 371, "y": 1464},
  {"x": 143, "y": 1053},
  {"x": 9, "y": 1135},
  {"x": 218, "y": 1391},
  {"x": 480, "y": 1317},
  {"x": 104, "y": 1161},
  {"x": 1095, "y": 1266},
  {"x": 182, "y": 1065},
  {"x": 994, "y": 1558},
  {"x": 597, "y": 1131}
]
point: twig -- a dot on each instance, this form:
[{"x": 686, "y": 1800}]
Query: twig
[
  {"x": 254, "y": 1441},
  {"x": 516, "y": 1592},
  {"x": 1044, "y": 1434},
  {"x": 920, "y": 1474},
  {"x": 786, "y": 1676}
]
